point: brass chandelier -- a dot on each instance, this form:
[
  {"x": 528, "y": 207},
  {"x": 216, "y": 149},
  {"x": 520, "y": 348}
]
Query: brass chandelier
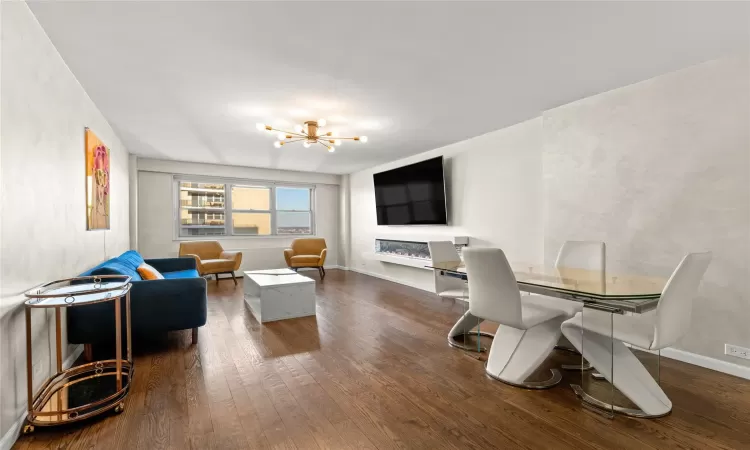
[{"x": 310, "y": 133}]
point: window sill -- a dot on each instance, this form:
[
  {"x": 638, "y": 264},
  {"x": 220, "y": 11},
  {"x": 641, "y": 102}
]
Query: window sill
[{"x": 236, "y": 237}]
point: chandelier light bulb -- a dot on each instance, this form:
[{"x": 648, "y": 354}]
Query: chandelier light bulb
[
  {"x": 277, "y": 144},
  {"x": 321, "y": 122},
  {"x": 298, "y": 128},
  {"x": 281, "y": 136},
  {"x": 306, "y": 144},
  {"x": 363, "y": 139},
  {"x": 260, "y": 126},
  {"x": 331, "y": 149},
  {"x": 337, "y": 142}
]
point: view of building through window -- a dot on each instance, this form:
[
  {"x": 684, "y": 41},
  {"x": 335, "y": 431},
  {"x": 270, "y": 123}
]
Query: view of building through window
[{"x": 203, "y": 208}]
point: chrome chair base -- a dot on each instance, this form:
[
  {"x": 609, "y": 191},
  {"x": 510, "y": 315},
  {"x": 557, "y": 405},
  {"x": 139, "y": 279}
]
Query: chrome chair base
[
  {"x": 607, "y": 408},
  {"x": 579, "y": 367},
  {"x": 552, "y": 382},
  {"x": 469, "y": 348}
]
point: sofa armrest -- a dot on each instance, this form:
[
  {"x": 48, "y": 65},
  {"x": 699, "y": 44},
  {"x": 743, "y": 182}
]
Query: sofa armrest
[
  {"x": 172, "y": 264},
  {"x": 235, "y": 256},
  {"x": 288, "y": 253},
  {"x": 323, "y": 256}
]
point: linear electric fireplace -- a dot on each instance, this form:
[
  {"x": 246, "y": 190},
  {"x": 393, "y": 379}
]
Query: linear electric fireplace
[{"x": 411, "y": 253}]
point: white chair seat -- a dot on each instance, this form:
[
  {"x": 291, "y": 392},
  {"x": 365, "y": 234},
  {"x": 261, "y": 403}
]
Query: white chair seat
[
  {"x": 460, "y": 294},
  {"x": 570, "y": 308},
  {"x": 529, "y": 324},
  {"x": 635, "y": 330},
  {"x": 536, "y": 309}
]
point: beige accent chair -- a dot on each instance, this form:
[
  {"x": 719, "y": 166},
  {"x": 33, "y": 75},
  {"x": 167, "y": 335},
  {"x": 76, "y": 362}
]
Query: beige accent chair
[
  {"x": 211, "y": 258},
  {"x": 307, "y": 252}
]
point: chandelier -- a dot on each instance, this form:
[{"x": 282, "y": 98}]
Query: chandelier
[{"x": 310, "y": 133}]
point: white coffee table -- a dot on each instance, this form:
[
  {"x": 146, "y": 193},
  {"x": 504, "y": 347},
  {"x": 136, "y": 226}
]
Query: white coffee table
[{"x": 279, "y": 294}]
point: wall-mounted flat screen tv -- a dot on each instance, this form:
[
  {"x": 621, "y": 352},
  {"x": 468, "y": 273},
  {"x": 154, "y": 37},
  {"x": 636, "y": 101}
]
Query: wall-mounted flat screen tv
[{"x": 412, "y": 195}]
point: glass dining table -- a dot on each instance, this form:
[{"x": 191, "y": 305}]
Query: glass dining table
[{"x": 599, "y": 292}]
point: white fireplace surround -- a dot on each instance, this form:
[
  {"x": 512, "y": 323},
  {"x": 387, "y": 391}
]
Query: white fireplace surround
[{"x": 420, "y": 263}]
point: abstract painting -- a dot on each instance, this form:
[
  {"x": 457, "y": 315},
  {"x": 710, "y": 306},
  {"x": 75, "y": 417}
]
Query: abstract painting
[{"x": 97, "y": 183}]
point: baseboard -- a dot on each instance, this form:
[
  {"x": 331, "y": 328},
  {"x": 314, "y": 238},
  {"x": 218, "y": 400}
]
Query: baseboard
[
  {"x": 708, "y": 363},
  {"x": 301, "y": 269},
  {"x": 11, "y": 436}
]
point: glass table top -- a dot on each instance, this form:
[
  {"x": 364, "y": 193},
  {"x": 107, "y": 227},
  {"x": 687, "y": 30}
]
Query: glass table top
[
  {"x": 634, "y": 293},
  {"x": 62, "y": 294}
]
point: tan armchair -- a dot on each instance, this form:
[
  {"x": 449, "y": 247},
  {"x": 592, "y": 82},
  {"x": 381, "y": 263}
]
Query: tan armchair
[
  {"x": 307, "y": 252},
  {"x": 211, "y": 258}
]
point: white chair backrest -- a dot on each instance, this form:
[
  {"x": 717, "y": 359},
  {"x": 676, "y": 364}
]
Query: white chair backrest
[
  {"x": 493, "y": 291},
  {"x": 442, "y": 252},
  {"x": 676, "y": 303},
  {"x": 590, "y": 255}
]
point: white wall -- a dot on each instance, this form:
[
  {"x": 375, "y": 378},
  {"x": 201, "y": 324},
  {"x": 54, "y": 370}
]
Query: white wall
[
  {"x": 43, "y": 112},
  {"x": 656, "y": 170},
  {"x": 493, "y": 194},
  {"x": 156, "y": 225}
]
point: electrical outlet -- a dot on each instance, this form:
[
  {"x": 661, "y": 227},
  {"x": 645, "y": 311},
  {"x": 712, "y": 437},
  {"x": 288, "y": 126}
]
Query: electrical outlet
[{"x": 737, "y": 351}]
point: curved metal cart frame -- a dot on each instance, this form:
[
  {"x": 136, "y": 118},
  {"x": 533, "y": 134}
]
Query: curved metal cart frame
[{"x": 46, "y": 407}]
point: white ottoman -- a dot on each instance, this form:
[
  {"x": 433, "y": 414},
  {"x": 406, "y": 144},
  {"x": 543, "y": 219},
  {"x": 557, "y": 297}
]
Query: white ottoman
[{"x": 278, "y": 294}]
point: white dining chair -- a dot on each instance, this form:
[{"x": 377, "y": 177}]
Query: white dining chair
[
  {"x": 529, "y": 324},
  {"x": 608, "y": 335},
  {"x": 587, "y": 255},
  {"x": 450, "y": 287},
  {"x": 444, "y": 252}
]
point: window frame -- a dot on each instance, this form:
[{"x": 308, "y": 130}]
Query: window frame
[{"x": 228, "y": 210}]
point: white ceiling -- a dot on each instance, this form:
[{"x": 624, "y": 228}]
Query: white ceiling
[{"x": 189, "y": 80}]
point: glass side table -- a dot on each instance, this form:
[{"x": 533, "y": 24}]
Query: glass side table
[{"x": 87, "y": 390}]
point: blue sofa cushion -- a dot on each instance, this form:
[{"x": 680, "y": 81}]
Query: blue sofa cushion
[
  {"x": 125, "y": 264},
  {"x": 190, "y": 273}
]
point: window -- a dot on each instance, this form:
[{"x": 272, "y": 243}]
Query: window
[
  {"x": 252, "y": 209},
  {"x": 293, "y": 212},
  {"x": 201, "y": 209}
]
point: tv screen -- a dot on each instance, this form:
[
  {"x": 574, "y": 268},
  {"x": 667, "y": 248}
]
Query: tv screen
[{"x": 411, "y": 195}]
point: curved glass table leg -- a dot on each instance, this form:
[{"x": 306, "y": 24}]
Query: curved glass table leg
[{"x": 463, "y": 329}]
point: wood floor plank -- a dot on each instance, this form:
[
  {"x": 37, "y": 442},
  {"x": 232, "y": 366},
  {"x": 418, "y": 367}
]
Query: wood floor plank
[{"x": 373, "y": 371}]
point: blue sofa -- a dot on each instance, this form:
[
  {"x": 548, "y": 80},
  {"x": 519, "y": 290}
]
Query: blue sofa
[{"x": 178, "y": 302}]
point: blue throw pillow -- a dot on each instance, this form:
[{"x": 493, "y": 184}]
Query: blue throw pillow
[{"x": 131, "y": 258}]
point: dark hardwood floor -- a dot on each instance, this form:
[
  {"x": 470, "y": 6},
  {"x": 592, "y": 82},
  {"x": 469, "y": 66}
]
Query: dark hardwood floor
[{"x": 373, "y": 370}]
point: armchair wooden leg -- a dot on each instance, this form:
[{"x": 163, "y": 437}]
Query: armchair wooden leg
[
  {"x": 234, "y": 278},
  {"x": 88, "y": 352},
  {"x": 217, "y": 279},
  {"x": 195, "y": 336},
  {"x": 322, "y": 272}
]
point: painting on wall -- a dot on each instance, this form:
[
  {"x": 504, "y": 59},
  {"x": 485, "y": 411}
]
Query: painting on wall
[{"x": 97, "y": 183}]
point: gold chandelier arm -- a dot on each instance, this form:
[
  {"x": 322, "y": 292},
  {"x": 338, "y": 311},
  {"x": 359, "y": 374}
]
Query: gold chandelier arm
[
  {"x": 294, "y": 140},
  {"x": 293, "y": 133},
  {"x": 326, "y": 146}
]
